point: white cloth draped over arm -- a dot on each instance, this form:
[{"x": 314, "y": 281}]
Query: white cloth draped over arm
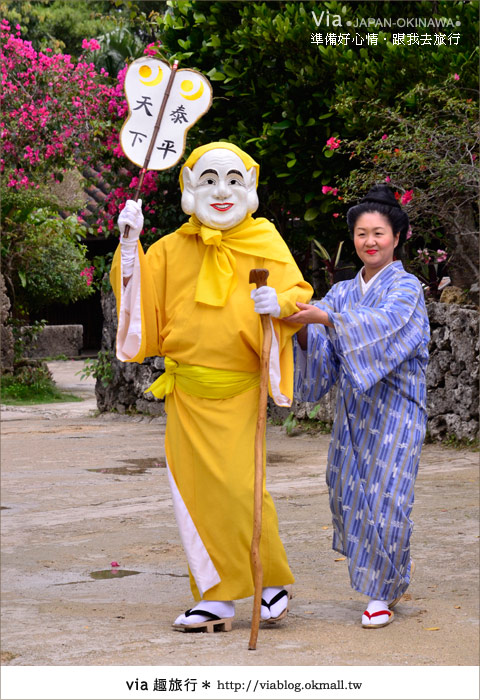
[{"x": 129, "y": 333}]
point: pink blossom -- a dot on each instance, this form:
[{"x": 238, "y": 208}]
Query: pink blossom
[
  {"x": 409, "y": 233},
  {"x": 151, "y": 50},
  {"x": 90, "y": 45},
  {"x": 407, "y": 197},
  {"x": 441, "y": 256},
  {"x": 456, "y": 76},
  {"x": 87, "y": 272},
  {"x": 333, "y": 143},
  {"x": 387, "y": 179},
  {"x": 326, "y": 189},
  {"x": 385, "y": 136},
  {"x": 424, "y": 255},
  {"x": 335, "y": 215},
  {"x": 114, "y": 564}
]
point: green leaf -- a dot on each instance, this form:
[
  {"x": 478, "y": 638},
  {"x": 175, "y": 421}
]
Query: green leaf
[
  {"x": 322, "y": 252},
  {"x": 215, "y": 74},
  {"x": 337, "y": 258},
  {"x": 23, "y": 278},
  {"x": 282, "y": 125},
  {"x": 311, "y": 214}
]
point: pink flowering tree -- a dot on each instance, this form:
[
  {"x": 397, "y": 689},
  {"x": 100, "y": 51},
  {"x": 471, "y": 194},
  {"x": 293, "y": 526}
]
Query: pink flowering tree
[
  {"x": 426, "y": 150},
  {"x": 53, "y": 120},
  {"x": 52, "y": 112}
]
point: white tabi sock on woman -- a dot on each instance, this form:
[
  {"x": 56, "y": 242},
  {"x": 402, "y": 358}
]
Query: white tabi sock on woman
[{"x": 378, "y": 614}]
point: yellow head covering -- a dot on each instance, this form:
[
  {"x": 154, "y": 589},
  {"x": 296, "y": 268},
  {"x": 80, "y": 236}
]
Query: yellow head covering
[{"x": 198, "y": 152}]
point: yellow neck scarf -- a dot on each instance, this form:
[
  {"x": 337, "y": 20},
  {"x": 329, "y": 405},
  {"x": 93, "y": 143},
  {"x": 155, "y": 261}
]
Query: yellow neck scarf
[{"x": 217, "y": 278}]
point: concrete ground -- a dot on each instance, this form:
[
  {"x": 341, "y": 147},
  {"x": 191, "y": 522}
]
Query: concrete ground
[{"x": 81, "y": 490}]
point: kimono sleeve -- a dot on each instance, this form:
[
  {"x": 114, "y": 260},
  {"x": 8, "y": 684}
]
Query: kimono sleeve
[
  {"x": 139, "y": 311},
  {"x": 317, "y": 367},
  {"x": 372, "y": 341}
]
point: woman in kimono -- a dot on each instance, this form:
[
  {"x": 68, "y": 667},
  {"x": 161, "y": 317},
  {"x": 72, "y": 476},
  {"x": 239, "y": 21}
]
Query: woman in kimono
[
  {"x": 188, "y": 299},
  {"x": 370, "y": 335}
]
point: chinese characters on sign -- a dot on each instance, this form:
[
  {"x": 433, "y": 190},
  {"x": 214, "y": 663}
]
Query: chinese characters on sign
[
  {"x": 331, "y": 39},
  {"x": 145, "y": 84}
]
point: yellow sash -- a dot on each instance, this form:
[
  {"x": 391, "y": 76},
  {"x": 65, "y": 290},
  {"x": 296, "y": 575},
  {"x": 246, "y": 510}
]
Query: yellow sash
[{"x": 204, "y": 382}]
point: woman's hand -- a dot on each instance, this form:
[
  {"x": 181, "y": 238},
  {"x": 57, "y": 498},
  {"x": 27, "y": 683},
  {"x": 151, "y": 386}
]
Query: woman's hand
[{"x": 309, "y": 314}]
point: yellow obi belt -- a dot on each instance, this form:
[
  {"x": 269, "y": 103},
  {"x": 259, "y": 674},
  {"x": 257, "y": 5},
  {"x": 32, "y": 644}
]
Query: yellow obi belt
[{"x": 204, "y": 382}]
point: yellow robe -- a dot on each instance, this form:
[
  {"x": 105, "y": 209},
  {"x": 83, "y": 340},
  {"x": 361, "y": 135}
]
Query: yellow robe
[{"x": 210, "y": 442}]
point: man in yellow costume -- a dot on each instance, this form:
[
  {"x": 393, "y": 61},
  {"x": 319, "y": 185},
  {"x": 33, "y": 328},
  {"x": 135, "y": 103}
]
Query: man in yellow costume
[{"x": 188, "y": 300}]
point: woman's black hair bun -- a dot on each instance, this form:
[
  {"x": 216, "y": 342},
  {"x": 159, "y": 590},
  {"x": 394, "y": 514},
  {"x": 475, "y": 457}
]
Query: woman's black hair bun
[{"x": 381, "y": 194}]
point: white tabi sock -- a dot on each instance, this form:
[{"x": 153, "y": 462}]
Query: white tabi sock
[
  {"x": 277, "y": 608},
  {"x": 373, "y": 607},
  {"x": 221, "y": 608}
]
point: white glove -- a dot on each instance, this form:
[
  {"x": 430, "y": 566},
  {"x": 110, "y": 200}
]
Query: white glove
[
  {"x": 132, "y": 216},
  {"x": 266, "y": 301}
]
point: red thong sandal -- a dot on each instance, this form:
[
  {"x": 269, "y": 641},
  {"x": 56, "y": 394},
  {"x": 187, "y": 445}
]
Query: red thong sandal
[{"x": 370, "y": 625}]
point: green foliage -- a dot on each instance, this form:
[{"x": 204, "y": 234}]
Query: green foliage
[
  {"x": 43, "y": 259},
  {"x": 275, "y": 92},
  {"x": 427, "y": 150},
  {"x": 24, "y": 336},
  {"x": 102, "y": 265},
  {"x": 59, "y": 24},
  {"x": 331, "y": 263},
  {"x": 99, "y": 368},
  {"x": 116, "y": 48},
  {"x": 32, "y": 384},
  {"x": 290, "y": 423}
]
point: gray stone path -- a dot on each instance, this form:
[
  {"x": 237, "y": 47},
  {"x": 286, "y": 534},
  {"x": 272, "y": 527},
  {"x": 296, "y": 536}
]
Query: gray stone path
[{"x": 81, "y": 490}]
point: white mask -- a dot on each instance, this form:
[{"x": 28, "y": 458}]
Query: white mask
[{"x": 219, "y": 190}]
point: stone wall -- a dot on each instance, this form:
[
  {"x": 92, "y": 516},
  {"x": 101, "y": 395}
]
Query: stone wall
[
  {"x": 452, "y": 376},
  {"x": 6, "y": 335},
  {"x": 56, "y": 340},
  {"x": 125, "y": 391}
]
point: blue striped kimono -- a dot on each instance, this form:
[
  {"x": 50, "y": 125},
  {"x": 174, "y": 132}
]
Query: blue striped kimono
[{"x": 377, "y": 351}]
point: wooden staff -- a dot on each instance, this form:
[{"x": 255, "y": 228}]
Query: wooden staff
[
  {"x": 259, "y": 277},
  {"x": 156, "y": 129}
]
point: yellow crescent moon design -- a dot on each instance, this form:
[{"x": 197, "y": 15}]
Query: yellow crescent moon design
[
  {"x": 187, "y": 85},
  {"x": 146, "y": 72}
]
